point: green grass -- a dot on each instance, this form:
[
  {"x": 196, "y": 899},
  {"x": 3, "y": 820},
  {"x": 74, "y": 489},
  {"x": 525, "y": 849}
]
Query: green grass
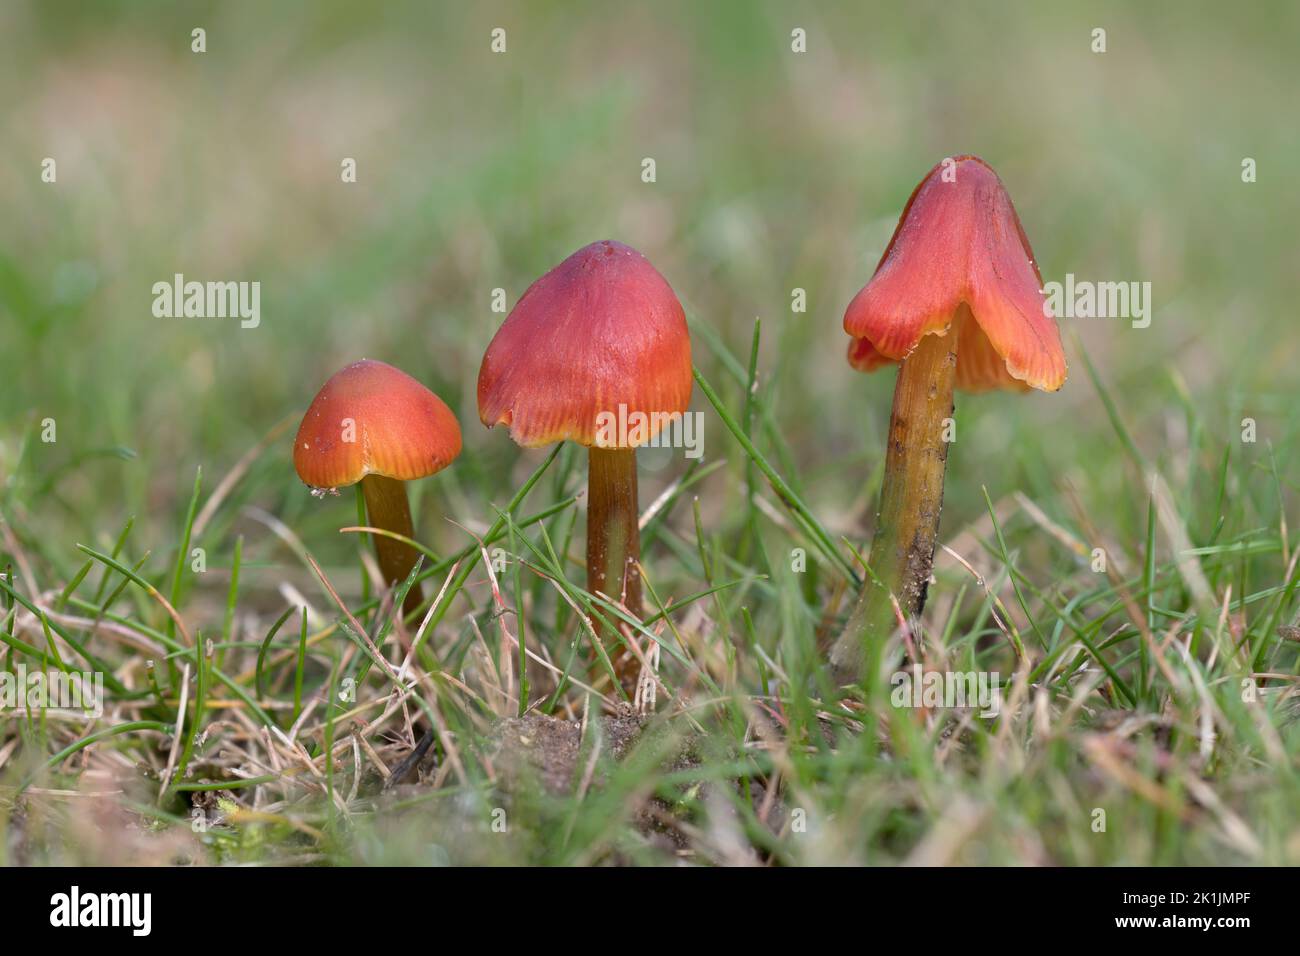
[{"x": 776, "y": 171}]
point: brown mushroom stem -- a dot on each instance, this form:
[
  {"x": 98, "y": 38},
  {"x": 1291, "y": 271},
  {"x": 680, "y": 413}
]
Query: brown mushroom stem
[
  {"x": 388, "y": 509},
  {"x": 911, "y": 498},
  {"x": 613, "y": 536}
]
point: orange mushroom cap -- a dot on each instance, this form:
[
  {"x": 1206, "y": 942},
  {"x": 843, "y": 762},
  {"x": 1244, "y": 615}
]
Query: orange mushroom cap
[
  {"x": 960, "y": 242},
  {"x": 398, "y": 429},
  {"x": 601, "y": 330}
]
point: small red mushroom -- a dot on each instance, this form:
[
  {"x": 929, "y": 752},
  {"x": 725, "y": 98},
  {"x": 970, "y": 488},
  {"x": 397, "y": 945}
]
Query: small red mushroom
[
  {"x": 600, "y": 335},
  {"x": 957, "y": 301},
  {"x": 375, "y": 424}
]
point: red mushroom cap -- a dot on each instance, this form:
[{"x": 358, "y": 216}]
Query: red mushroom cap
[
  {"x": 601, "y": 330},
  {"x": 959, "y": 242},
  {"x": 398, "y": 429}
]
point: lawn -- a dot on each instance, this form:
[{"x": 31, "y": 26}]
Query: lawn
[{"x": 1118, "y": 553}]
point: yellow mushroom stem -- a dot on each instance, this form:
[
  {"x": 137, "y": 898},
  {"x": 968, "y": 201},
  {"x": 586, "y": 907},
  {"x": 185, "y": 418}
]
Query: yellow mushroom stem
[
  {"x": 911, "y": 499},
  {"x": 388, "y": 508},
  {"x": 614, "y": 541}
]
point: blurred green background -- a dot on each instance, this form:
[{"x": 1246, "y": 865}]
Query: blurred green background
[{"x": 775, "y": 170}]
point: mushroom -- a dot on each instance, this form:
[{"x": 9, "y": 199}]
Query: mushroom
[
  {"x": 375, "y": 424},
  {"x": 956, "y": 299},
  {"x": 595, "y": 352}
]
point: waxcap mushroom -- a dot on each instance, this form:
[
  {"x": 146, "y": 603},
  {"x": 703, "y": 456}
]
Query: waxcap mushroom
[
  {"x": 957, "y": 302},
  {"x": 373, "y": 419},
  {"x": 601, "y": 330},
  {"x": 374, "y": 424},
  {"x": 959, "y": 243},
  {"x": 600, "y": 335}
]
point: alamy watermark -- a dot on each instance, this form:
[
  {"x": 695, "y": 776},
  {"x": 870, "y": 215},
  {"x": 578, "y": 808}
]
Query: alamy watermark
[
  {"x": 60, "y": 693},
  {"x": 947, "y": 689},
  {"x": 133, "y": 911},
  {"x": 624, "y": 429},
  {"x": 1084, "y": 299},
  {"x": 179, "y": 299}
]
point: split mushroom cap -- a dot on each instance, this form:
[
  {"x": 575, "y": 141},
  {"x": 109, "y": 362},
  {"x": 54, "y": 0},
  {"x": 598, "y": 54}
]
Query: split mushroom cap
[
  {"x": 601, "y": 330},
  {"x": 959, "y": 243},
  {"x": 400, "y": 429}
]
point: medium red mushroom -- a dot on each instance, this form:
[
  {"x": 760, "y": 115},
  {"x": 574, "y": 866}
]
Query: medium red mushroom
[
  {"x": 599, "y": 338},
  {"x": 956, "y": 301},
  {"x": 375, "y": 424}
]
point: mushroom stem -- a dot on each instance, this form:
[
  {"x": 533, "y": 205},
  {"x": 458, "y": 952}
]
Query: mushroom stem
[
  {"x": 613, "y": 535},
  {"x": 388, "y": 509},
  {"x": 911, "y": 498}
]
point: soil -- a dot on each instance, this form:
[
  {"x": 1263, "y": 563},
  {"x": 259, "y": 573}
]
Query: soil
[
  {"x": 554, "y": 749},
  {"x": 539, "y": 753}
]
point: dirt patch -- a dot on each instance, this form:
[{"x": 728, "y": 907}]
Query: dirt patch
[
  {"x": 538, "y": 763},
  {"x": 559, "y": 753}
]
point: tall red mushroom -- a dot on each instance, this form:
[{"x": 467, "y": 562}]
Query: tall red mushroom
[
  {"x": 601, "y": 335},
  {"x": 957, "y": 301}
]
